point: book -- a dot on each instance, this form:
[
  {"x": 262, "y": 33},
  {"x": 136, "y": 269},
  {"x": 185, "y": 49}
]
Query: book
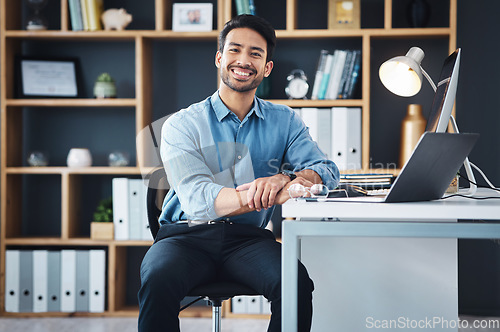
[
  {"x": 336, "y": 75},
  {"x": 325, "y": 80},
  {"x": 320, "y": 69},
  {"x": 85, "y": 14},
  {"x": 94, "y": 11},
  {"x": 351, "y": 86},
  {"x": 345, "y": 74},
  {"x": 75, "y": 12}
]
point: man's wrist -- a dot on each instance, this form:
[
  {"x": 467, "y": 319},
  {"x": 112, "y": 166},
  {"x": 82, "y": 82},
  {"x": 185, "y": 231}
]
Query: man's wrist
[{"x": 291, "y": 175}]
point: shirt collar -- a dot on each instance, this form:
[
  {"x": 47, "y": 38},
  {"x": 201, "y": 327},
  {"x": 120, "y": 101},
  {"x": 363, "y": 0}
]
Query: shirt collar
[{"x": 221, "y": 111}]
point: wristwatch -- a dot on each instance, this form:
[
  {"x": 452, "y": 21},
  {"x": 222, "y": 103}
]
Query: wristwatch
[{"x": 290, "y": 174}]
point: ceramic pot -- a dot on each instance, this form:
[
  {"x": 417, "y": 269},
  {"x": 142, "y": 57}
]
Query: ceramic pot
[
  {"x": 105, "y": 90},
  {"x": 78, "y": 157}
]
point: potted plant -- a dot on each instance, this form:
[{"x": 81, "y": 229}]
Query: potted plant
[
  {"x": 102, "y": 226},
  {"x": 104, "y": 86}
]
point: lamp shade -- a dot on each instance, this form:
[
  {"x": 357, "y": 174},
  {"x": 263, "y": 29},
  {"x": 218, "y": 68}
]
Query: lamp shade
[{"x": 402, "y": 75}]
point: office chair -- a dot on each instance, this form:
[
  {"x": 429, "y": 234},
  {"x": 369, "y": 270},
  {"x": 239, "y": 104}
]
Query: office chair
[{"x": 215, "y": 292}]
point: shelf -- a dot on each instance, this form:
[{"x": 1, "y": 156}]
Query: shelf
[
  {"x": 57, "y": 241},
  {"x": 78, "y": 170},
  {"x": 168, "y": 34},
  {"x": 319, "y": 103},
  {"x": 110, "y": 35},
  {"x": 68, "y": 102}
]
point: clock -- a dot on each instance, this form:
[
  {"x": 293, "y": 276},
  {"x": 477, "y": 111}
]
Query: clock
[{"x": 297, "y": 84}]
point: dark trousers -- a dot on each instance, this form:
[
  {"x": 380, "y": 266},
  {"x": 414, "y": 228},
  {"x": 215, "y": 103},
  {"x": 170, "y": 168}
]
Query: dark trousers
[{"x": 184, "y": 257}]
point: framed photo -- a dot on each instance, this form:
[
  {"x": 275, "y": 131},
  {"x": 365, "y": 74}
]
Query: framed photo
[
  {"x": 192, "y": 17},
  {"x": 47, "y": 78},
  {"x": 344, "y": 14}
]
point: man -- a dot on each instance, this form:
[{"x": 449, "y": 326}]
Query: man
[{"x": 223, "y": 158}]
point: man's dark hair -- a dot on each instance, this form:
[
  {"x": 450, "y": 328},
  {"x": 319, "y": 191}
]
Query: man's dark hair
[{"x": 258, "y": 24}]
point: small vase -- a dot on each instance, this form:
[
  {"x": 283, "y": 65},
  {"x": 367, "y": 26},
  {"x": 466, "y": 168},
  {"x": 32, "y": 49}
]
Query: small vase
[
  {"x": 79, "y": 158},
  {"x": 412, "y": 127},
  {"x": 104, "y": 90},
  {"x": 418, "y": 13}
]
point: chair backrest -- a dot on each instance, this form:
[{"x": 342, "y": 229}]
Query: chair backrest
[{"x": 155, "y": 189}]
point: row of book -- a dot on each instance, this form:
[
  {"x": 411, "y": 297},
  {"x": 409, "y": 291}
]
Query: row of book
[
  {"x": 337, "y": 131},
  {"x": 250, "y": 304},
  {"x": 130, "y": 217},
  {"x": 245, "y": 7},
  {"x": 55, "y": 281},
  {"x": 337, "y": 74},
  {"x": 85, "y": 15}
]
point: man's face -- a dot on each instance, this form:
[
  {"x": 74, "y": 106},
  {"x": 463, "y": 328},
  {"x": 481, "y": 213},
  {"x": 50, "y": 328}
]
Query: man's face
[{"x": 243, "y": 63}]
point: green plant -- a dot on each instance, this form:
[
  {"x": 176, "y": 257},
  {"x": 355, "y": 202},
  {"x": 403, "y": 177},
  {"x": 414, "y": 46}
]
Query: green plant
[
  {"x": 104, "y": 211},
  {"x": 105, "y": 77}
]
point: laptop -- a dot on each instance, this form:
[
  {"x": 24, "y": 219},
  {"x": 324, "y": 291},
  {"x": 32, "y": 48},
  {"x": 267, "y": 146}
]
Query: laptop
[{"x": 428, "y": 172}]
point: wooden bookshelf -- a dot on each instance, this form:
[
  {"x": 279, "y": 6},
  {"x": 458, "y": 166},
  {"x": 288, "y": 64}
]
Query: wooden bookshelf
[{"x": 12, "y": 37}]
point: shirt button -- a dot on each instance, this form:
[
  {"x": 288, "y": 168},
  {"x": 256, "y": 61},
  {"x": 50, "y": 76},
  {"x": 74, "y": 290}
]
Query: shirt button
[{"x": 239, "y": 157}]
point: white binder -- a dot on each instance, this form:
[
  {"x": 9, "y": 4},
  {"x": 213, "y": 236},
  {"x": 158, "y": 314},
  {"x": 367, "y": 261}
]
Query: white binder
[
  {"x": 82, "y": 281},
  {"x": 135, "y": 205},
  {"x": 120, "y": 208},
  {"x": 145, "y": 231},
  {"x": 40, "y": 281},
  {"x": 254, "y": 305},
  {"x": 68, "y": 279},
  {"x": 266, "y": 306},
  {"x": 97, "y": 280},
  {"x": 319, "y": 122},
  {"x": 26, "y": 281},
  {"x": 12, "y": 267},
  {"x": 346, "y": 137},
  {"x": 239, "y": 304},
  {"x": 54, "y": 281}
]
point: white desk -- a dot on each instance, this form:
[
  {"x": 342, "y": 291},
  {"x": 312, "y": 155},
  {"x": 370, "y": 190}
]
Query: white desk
[{"x": 422, "y": 221}]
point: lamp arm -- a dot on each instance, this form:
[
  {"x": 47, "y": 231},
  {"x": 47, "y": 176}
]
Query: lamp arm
[
  {"x": 428, "y": 79},
  {"x": 467, "y": 166}
]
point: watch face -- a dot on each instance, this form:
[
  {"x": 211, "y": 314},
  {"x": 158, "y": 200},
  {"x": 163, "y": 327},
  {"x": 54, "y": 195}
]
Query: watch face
[{"x": 297, "y": 88}]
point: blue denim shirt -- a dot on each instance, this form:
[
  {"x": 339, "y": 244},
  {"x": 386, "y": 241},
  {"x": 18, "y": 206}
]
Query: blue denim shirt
[{"x": 205, "y": 148}]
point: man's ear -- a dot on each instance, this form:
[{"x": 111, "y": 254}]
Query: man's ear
[
  {"x": 268, "y": 68},
  {"x": 218, "y": 57}
]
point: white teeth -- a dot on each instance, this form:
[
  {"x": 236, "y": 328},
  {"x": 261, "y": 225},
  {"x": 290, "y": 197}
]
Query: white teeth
[{"x": 241, "y": 73}]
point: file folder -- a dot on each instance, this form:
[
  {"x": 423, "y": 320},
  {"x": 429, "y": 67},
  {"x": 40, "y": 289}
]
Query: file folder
[
  {"x": 239, "y": 304},
  {"x": 68, "y": 278},
  {"x": 97, "y": 280},
  {"x": 135, "y": 208},
  {"x": 254, "y": 304},
  {"x": 346, "y": 137},
  {"x": 54, "y": 281},
  {"x": 82, "y": 281},
  {"x": 26, "y": 281},
  {"x": 12, "y": 287},
  {"x": 120, "y": 208},
  {"x": 40, "y": 280}
]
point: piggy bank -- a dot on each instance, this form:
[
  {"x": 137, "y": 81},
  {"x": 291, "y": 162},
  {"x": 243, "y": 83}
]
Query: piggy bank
[{"x": 116, "y": 19}]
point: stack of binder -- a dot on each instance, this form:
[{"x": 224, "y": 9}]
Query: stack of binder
[
  {"x": 130, "y": 216},
  {"x": 250, "y": 304},
  {"x": 337, "y": 131},
  {"x": 55, "y": 281}
]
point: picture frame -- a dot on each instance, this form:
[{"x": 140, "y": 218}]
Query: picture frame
[
  {"x": 192, "y": 17},
  {"x": 39, "y": 77},
  {"x": 344, "y": 14}
]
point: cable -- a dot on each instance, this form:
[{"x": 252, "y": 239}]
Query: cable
[
  {"x": 480, "y": 186},
  {"x": 483, "y": 175},
  {"x": 471, "y": 197}
]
